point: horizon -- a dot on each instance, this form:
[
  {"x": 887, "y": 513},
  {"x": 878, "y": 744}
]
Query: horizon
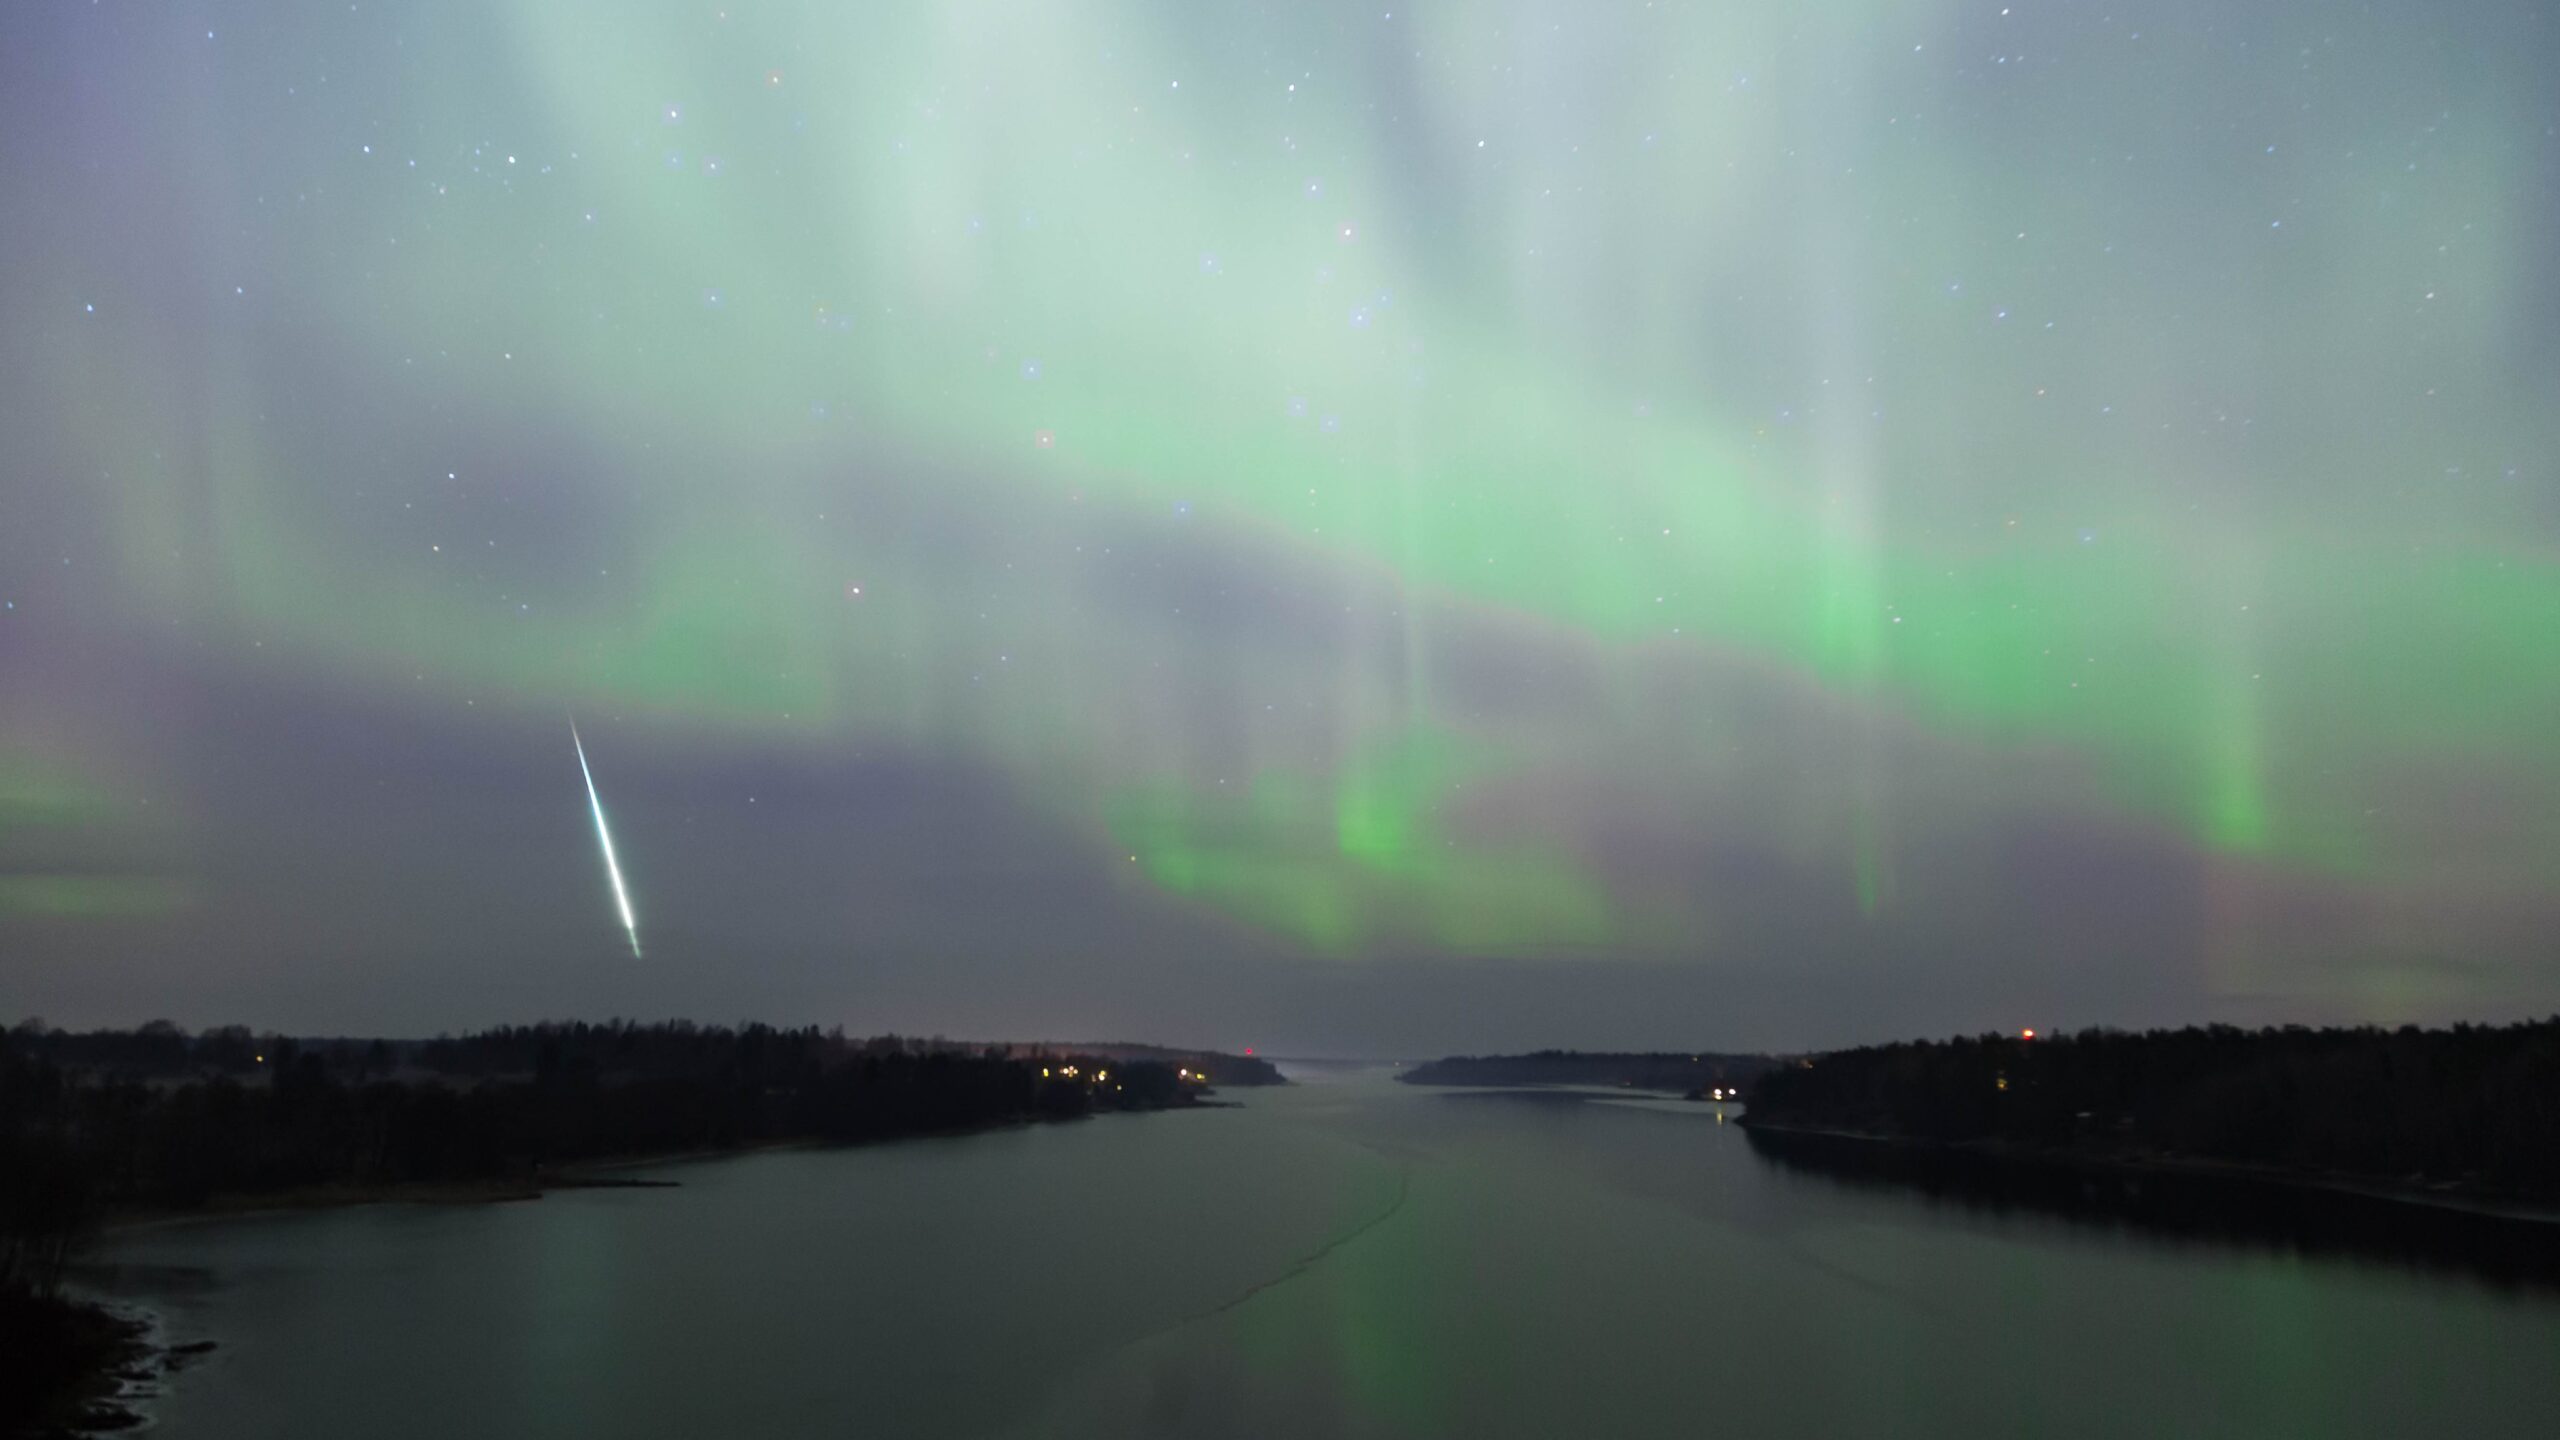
[{"x": 1252, "y": 1052}]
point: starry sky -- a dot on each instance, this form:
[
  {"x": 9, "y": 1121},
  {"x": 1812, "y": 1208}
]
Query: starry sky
[{"x": 1343, "y": 529}]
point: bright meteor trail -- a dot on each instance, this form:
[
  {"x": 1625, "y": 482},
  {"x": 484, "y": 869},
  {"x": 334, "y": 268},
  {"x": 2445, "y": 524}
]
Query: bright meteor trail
[{"x": 612, "y": 867}]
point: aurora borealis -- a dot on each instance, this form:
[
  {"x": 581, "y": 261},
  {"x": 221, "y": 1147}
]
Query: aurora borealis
[{"x": 1461, "y": 526}]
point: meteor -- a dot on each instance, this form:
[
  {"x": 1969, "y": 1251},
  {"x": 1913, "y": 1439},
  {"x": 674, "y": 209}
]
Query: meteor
[{"x": 612, "y": 867}]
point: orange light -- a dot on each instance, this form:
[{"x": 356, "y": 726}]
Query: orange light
[{"x": 2026, "y": 1034}]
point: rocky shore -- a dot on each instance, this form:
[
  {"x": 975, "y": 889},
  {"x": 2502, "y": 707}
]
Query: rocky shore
[{"x": 81, "y": 1367}]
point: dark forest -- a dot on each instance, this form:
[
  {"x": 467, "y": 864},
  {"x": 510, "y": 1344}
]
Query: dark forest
[
  {"x": 2474, "y": 1107},
  {"x": 158, "y": 1119}
]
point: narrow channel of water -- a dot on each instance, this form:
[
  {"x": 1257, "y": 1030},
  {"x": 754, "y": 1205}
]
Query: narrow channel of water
[{"x": 1358, "y": 1258}]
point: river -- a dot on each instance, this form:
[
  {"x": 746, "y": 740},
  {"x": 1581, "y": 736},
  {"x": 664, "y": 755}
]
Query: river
[{"x": 1351, "y": 1257}]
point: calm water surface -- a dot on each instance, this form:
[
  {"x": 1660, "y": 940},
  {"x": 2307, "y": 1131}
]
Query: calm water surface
[{"x": 1352, "y": 1258}]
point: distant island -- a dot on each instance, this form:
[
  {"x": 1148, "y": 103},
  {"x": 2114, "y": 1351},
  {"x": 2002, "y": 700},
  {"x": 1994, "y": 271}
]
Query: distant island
[
  {"x": 114, "y": 1125},
  {"x": 1697, "y": 1074},
  {"x": 2463, "y": 1116}
]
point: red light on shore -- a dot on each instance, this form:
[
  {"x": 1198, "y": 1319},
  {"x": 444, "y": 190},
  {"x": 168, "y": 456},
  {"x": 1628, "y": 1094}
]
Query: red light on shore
[
  {"x": 2026, "y": 1034},
  {"x": 1248, "y": 1049}
]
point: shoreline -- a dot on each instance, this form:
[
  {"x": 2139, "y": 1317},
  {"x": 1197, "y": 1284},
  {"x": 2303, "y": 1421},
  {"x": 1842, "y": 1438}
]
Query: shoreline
[
  {"x": 130, "y": 1359},
  {"x": 584, "y": 1175},
  {"x": 310, "y": 1200},
  {"x": 595, "y": 1174},
  {"x": 106, "y": 1359},
  {"x": 2495, "y": 1207}
]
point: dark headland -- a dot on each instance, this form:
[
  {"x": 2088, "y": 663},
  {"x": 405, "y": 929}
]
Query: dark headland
[
  {"x": 2461, "y": 1116},
  {"x": 111, "y": 1126},
  {"x": 2464, "y": 1114},
  {"x": 2438, "y": 1149},
  {"x": 2435, "y": 1149}
]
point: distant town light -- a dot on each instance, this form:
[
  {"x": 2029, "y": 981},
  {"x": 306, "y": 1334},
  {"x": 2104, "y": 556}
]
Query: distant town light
[{"x": 2027, "y": 1034}]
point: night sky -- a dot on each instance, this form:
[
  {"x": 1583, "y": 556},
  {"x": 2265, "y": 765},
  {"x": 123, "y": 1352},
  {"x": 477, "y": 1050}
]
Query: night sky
[{"x": 1337, "y": 529}]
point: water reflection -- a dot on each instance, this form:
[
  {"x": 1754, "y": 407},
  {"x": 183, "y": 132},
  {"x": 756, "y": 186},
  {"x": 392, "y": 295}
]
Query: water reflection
[
  {"x": 2191, "y": 1209},
  {"x": 1356, "y": 1259}
]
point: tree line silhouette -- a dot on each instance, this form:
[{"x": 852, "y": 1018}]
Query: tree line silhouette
[
  {"x": 2475, "y": 1105},
  {"x": 159, "y": 1118},
  {"x": 1683, "y": 1072}
]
